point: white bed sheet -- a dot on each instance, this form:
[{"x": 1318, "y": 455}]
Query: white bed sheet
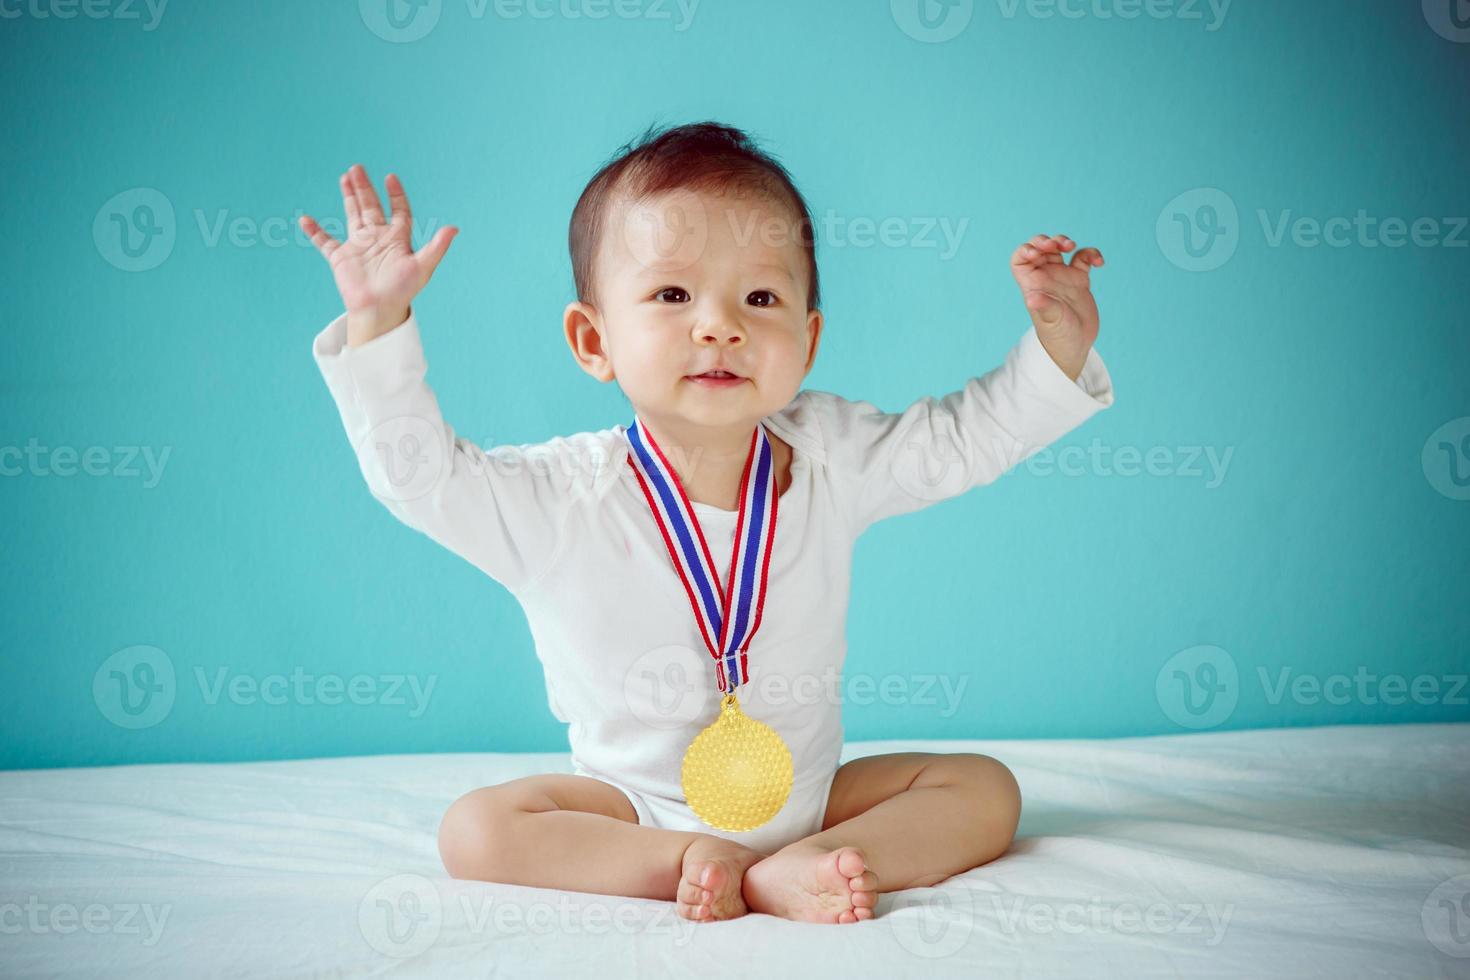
[{"x": 1337, "y": 851}]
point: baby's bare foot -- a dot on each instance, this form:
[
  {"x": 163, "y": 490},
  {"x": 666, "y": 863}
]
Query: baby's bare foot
[
  {"x": 709, "y": 886},
  {"x": 812, "y": 883}
]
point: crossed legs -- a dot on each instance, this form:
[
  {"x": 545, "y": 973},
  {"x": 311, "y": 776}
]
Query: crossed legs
[{"x": 894, "y": 821}]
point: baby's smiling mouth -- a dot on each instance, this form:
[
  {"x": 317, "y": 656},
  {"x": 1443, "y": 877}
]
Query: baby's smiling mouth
[{"x": 715, "y": 379}]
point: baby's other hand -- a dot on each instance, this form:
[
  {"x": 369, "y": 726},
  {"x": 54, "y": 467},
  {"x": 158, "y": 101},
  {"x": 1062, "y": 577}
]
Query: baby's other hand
[
  {"x": 376, "y": 270},
  {"x": 1058, "y": 296}
]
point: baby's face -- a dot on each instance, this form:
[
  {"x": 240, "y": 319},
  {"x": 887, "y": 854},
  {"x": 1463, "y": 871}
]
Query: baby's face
[{"x": 688, "y": 283}]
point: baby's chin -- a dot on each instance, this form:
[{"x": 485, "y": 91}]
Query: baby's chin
[{"x": 739, "y": 406}]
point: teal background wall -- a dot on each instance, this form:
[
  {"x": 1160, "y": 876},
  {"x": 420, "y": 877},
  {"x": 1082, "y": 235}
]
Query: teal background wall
[{"x": 1326, "y": 549}]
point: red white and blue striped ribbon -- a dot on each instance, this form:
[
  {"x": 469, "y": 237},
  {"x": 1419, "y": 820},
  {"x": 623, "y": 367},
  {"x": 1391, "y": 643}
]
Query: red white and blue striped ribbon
[{"x": 755, "y": 532}]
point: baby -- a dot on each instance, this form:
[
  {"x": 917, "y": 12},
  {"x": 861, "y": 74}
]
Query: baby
[{"x": 731, "y": 488}]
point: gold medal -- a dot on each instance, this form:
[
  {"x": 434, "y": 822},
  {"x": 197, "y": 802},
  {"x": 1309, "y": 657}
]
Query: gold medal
[{"x": 737, "y": 772}]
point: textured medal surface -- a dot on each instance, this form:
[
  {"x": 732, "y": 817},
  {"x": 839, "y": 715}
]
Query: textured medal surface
[{"x": 737, "y": 772}]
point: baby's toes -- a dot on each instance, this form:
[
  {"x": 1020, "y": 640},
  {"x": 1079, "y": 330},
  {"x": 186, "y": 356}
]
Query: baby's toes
[
  {"x": 692, "y": 894},
  {"x": 864, "y": 895},
  {"x": 717, "y": 876},
  {"x": 693, "y": 912},
  {"x": 850, "y": 862}
]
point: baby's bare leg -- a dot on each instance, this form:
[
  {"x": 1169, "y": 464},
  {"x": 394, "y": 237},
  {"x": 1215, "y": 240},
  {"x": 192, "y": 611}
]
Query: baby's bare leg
[
  {"x": 922, "y": 817},
  {"x": 581, "y": 834},
  {"x": 896, "y": 821}
]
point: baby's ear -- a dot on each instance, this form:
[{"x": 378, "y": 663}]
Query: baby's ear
[
  {"x": 814, "y": 323},
  {"x": 584, "y": 332}
]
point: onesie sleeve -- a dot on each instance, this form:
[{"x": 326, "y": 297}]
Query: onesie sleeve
[
  {"x": 500, "y": 510},
  {"x": 883, "y": 464}
]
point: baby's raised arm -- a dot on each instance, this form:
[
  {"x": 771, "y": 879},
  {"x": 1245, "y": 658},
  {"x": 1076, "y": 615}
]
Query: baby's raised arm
[
  {"x": 1052, "y": 381},
  {"x": 501, "y": 510}
]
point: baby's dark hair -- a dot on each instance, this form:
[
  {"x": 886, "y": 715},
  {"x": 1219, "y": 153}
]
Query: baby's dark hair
[{"x": 705, "y": 156}]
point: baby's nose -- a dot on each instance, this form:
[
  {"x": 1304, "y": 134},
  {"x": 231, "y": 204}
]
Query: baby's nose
[{"x": 719, "y": 331}]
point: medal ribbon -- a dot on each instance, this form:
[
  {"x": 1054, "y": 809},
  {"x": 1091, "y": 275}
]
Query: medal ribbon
[{"x": 755, "y": 532}]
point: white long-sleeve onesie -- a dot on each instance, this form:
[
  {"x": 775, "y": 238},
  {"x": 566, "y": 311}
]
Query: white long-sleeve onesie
[{"x": 564, "y": 526}]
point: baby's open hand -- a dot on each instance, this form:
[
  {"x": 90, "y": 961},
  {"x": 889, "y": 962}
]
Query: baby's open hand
[
  {"x": 376, "y": 270},
  {"x": 1059, "y": 297}
]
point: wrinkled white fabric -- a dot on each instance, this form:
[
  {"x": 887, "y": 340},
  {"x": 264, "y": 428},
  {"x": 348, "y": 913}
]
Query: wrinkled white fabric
[{"x": 1341, "y": 851}]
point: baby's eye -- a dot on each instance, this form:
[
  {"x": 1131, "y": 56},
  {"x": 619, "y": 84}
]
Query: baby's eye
[
  {"x": 771, "y": 297},
  {"x": 672, "y": 289}
]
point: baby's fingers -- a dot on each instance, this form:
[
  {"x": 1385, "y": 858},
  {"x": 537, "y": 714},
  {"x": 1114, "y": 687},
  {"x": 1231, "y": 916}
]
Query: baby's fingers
[
  {"x": 1041, "y": 250},
  {"x": 1086, "y": 258},
  {"x": 367, "y": 196},
  {"x": 430, "y": 254},
  {"x": 398, "y": 201},
  {"x": 349, "y": 203},
  {"x": 324, "y": 242}
]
